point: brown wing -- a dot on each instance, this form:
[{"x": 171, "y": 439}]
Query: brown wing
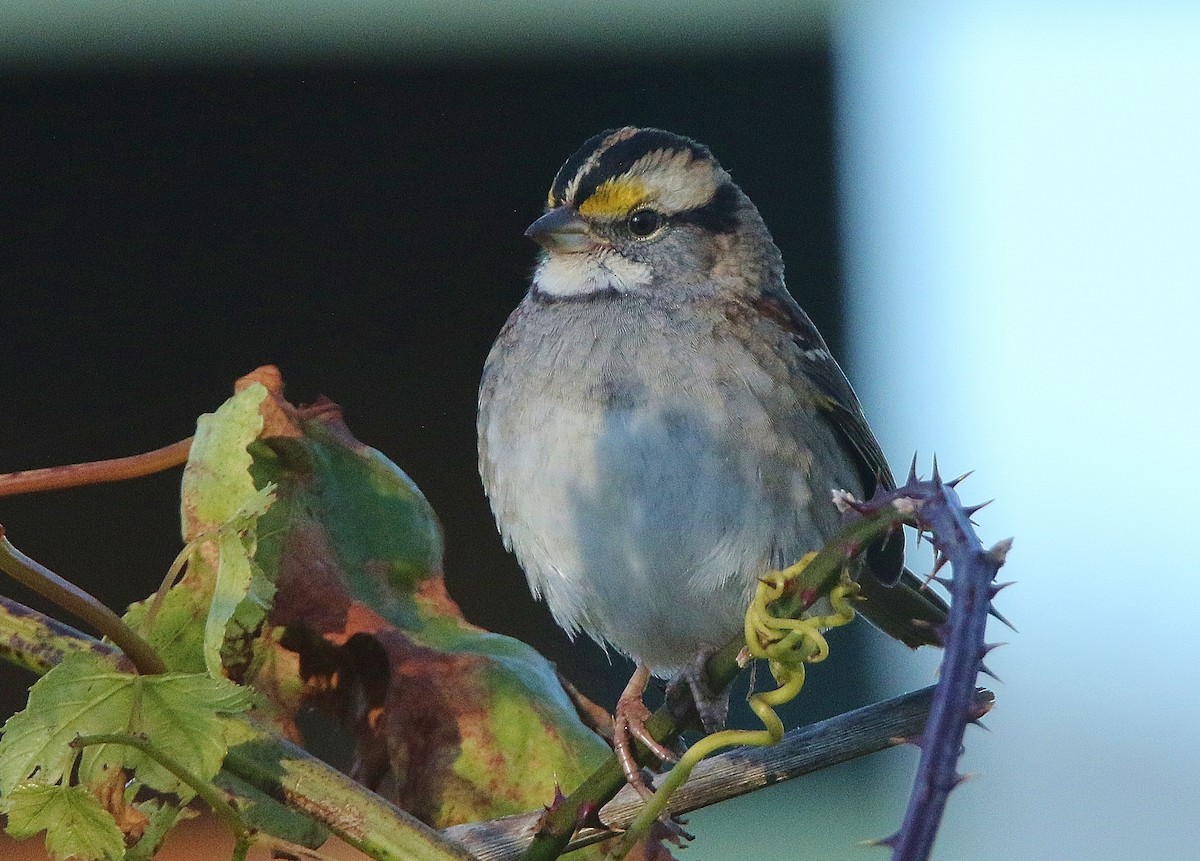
[{"x": 894, "y": 599}]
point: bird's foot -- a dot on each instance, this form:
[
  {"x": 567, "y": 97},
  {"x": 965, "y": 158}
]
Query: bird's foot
[
  {"x": 711, "y": 706},
  {"x": 629, "y": 724}
]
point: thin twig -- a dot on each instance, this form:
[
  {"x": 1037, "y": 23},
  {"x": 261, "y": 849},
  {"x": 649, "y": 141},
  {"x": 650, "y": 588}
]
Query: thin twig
[
  {"x": 95, "y": 472},
  {"x": 80, "y": 604},
  {"x": 729, "y": 775}
]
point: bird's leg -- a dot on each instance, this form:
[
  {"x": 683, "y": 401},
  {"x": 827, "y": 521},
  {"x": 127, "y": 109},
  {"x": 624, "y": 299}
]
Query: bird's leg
[
  {"x": 629, "y": 723},
  {"x": 711, "y": 706}
]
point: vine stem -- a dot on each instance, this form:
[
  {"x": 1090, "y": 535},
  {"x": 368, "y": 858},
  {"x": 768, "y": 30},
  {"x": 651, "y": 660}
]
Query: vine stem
[
  {"x": 205, "y": 790},
  {"x": 65, "y": 594},
  {"x": 97, "y": 471}
]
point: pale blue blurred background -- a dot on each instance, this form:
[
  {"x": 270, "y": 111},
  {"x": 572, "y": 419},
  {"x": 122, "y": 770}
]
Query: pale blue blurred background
[
  {"x": 1020, "y": 215},
  {"x": 1021, "y": 200}
]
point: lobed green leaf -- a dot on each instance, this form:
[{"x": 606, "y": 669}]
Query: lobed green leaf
[
  {"x": 84, "y": 695},
  {"x": 76, "y": 824}
]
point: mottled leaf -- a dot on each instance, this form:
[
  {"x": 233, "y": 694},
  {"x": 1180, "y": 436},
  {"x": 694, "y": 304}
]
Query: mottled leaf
[{"x": 456, "y": 724}]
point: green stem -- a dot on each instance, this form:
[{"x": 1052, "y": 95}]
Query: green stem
[
  {"x": 363, "y": 819},
  {"x": 204, "y": 789},
  {"x": 825, "y": 570},
  {"x": 36, "y": 642},
  {"x": 65, "y": 594}
]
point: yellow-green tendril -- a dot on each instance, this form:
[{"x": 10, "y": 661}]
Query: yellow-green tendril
[{"x": 787, "y": 645}]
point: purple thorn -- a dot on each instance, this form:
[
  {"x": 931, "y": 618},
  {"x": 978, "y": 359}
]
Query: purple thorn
[
  {"x": 970, "y": 510},
  {"x": 983, "y": 668},
  {"x": 954, "y": 482},
  {"x": 939, "y": 562},
  {"x": 588, "y": 816},
  {"x": 992, "y": 611},
  {"x": 882, "y": 842},
  {"x": 912, "y": 470},
  {"x": 936, "y": 478},
  {"x": 979, "y": 723},
  {"x": 996, "y": 588}
]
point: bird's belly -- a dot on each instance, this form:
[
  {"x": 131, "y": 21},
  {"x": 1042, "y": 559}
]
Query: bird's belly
[{"x": 647, "y": 527}]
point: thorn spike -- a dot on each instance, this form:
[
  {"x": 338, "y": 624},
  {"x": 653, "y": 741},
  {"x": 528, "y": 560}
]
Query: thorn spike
[
  {"x": 996, "y": 614},
  {"x": 589, "y": 816},
  {"x": 970, "y": 510},
  {"x": 936, "y": 478},
  {"x": 999, "y": 587},
  {"x": 979, "y": 723},
  {"x": 954, "y": 482},
  {"x": 887, "y": 536},
  {"x": 888, "y": 842},
  {"x": 983, "y": 668},
  {"x": 912, "y": 470},
  {"x": 939, "y": 561}
]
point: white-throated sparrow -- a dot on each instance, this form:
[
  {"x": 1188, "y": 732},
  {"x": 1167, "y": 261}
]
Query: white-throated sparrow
[{"x": 660, "y": 422}]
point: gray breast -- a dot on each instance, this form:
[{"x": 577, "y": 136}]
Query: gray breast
[{"x": 642, "y": 480}]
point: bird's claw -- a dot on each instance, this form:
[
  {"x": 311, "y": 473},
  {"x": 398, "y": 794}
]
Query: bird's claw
[{"x": 629, "y": 727}]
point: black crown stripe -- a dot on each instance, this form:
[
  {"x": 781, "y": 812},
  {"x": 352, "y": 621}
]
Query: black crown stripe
[
  {"x": 572, "y": 165},
  {"x": 620, "y": 157}
]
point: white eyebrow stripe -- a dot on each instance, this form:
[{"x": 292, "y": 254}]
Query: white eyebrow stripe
[
  {"x": 677, "y": 179},
  {"x": 615, "y": 138}
]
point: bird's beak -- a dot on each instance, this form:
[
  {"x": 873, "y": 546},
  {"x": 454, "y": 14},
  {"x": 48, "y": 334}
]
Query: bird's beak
[{"x": 562, "y": 230}]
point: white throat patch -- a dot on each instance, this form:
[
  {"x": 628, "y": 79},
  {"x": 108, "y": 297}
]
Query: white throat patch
[{"x": 581, "y": 274}]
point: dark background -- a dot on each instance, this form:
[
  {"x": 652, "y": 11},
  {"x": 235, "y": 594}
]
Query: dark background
[{"x": 359, "y": 226}]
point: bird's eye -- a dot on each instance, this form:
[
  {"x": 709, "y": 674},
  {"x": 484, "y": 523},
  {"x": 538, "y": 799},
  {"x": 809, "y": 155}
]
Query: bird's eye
[{"x": 644, "y": 222}]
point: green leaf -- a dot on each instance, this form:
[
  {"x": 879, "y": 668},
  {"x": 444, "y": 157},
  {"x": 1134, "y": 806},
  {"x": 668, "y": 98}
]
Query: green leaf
[
  {"x": 221, "y": 506},
  {"x": 84, "y": 695},
  {"x": 236, "y": 573},
  {"x": 76, "y": 825},
  {"x": 176, "y": 632},
  {"x": 216, "y": 481}
]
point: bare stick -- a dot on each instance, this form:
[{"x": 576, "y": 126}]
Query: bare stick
[
  {"x": 729, "y": 775},
  {"x": 97, "y": 471}
]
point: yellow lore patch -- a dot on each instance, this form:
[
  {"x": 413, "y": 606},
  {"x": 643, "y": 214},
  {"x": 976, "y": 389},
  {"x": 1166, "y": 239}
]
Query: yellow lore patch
[{"x": 615, "y": 198}]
